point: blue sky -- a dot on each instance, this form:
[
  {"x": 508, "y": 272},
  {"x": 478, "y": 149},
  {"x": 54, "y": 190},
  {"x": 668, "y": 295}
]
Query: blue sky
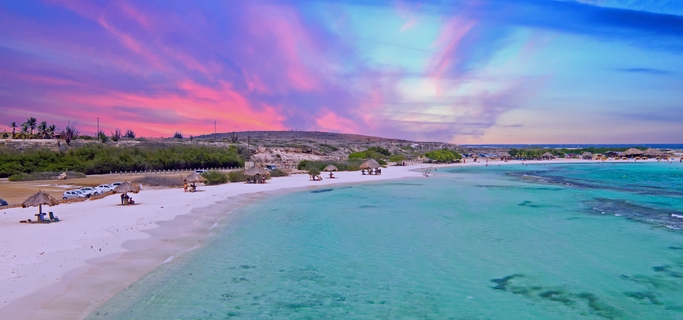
[{"x": 489, "y": 71}]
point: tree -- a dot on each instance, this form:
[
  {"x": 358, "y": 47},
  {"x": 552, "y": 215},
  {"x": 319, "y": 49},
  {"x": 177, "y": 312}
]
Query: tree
[
  {"x": 129, "y": 134},
  {"x": 116, "y": 135},
  {"x": 51, "y": 131},
  {"x": 70, "y": 132},
  {"x": 234, "y": 137},
  {"x": 14, "y": 128},
  {"x": 102, "y": 136},
  {"x": 178, "y": 135},
  {"x": 42, "y": 130},
  {"x": 443, "y": 155},
  {"x": 32, "y": 124},
  {"x": 24, "y": 130}
]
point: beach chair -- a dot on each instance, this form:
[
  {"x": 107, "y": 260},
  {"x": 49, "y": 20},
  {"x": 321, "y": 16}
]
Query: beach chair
[
  {"x": 249, "y": 180},
  {"x": 52, "y": 217}
]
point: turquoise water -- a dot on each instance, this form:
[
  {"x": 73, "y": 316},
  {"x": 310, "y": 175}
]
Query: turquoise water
[{"x": 511, "y": 242}]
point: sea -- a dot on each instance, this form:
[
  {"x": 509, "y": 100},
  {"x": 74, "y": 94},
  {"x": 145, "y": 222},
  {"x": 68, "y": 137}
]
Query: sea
[
  {"x": 534, "y": 241},
  {"x": 668, "y": 146}
]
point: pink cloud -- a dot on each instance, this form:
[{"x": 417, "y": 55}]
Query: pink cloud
[
  {"x": 449, "y": 39},
  {"x": 329, "y": 121}
]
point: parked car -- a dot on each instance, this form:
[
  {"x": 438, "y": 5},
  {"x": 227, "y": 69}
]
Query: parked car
[
  {"x": 3, "y": 203},
  {"x": 116, "y": 184},
  {"x": 199, "y": 171},
  {"x": 88, "y": 191},
  {"x": 104, "y": 188},
  {"x": 271, "y": 167},
  {"x": 73, "y": 194}
]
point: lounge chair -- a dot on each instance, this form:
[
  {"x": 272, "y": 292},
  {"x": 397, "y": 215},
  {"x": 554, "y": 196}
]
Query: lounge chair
[
  {"x": 52, "y": 217},
  {"x": 249, "y": 180}
]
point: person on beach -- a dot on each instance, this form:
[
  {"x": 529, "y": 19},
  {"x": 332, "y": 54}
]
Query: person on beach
[
  {"x": 185, "y": 185},
  {"x": 123, "y": 195}
]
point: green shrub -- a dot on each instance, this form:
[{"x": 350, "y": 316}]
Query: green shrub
[
  {"x": 214, "y": 177},
  {"x": 313, "y": 172},
  {"x": 278, "y": 173},
  {"x": 397, "y": 158},
  {"x": 160, "y": 181},
  {"x": 237, "y": 176},
  {"x": 443, "y": 155}
]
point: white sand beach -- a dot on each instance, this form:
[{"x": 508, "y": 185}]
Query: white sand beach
[{"x": 66, "y": 270}]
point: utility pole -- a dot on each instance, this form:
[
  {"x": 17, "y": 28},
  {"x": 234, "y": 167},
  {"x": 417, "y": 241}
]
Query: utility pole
[
  {"x": 98, "y": 129},
  {"x": 248, "y": 153},
  {"x": 214, "y": 130}
]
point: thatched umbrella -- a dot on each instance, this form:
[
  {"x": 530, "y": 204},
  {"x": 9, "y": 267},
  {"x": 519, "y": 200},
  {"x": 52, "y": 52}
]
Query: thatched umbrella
[
  {"x": 633, "y": 152},
  {"x": 256, "y": 171},
  {"x": 587, "y": 155},
  {"x": 330, "y": 167},
  {"x": 195, "y": 177},
  {"x": 253, "y": 171},
  {"x": 38, "y": 200},
  {"x": 370, "y": 164},
  {"x": 652, "y": 152},
  {"x": 127, "y": 187},
  {"x": 548, "y": 155}
]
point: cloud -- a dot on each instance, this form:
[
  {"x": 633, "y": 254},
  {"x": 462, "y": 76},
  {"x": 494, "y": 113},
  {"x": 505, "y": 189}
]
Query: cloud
[{"x": 647, "y": 71}]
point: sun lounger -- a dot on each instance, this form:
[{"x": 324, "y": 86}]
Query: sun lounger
[{"x": 52, "y": 217}]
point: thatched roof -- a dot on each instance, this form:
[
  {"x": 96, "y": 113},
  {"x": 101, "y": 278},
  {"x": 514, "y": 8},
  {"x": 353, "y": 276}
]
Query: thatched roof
[
  {"x": 39, "y": 199},
  {"x": 195, "y": 177},
  {"x": 504, "y": 154},
  {"x": 127, "y": 187},
  {"x": 633, "y": 152},
  {"x": 330, "y": 167},
  {"x": 370, "y": 164},
  {"x": 548, "y": 154},
  {"x": 256, "y": 170},
  {"x": 587, "y": 154},
  {"x": 652, "y": 152}
]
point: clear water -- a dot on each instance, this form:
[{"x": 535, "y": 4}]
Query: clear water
[{"x": 509, "y": 242}]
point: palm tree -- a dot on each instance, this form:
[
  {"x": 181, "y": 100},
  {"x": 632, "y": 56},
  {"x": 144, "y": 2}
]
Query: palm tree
[
  {"x": 51, "y": 131},
  {"x": 42, "y": 129},
  {"x": 24, "y": 130},
  {"x": 32, "y": 124},
  {"x": 14, "y": 128}
]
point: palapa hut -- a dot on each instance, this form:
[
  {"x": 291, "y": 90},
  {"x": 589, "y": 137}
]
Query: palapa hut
[
  {"x": 258, "y": 173},
  {"x": 370, "y": 164},
  {"x": 652, "y": 153},
  {"x": 192, "y": 179},
  {"x": 632, "y": 152},
  {"x": 38, "y": 200},
  {"x": 504, "y": 156},
  {"x": 329, "y": 168},
  {"x": 587, "y": 155},
  {"x": 548, "y": 156},
  {"x": 125, "y": 188}
]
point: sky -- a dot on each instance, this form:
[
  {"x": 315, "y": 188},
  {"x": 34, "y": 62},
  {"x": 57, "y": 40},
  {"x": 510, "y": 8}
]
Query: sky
[{"x": 467, "y": 72}]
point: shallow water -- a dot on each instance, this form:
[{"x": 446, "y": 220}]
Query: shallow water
[{"x": 511, "y": 242}]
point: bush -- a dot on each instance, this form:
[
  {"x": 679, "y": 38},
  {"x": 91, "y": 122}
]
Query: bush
[
  {"x": 443, "y": 155},
  {"x": 313, "y": 172},
  {"x": 278, "y": 173},
  {"x": 237, "y": 176},
  {"x": 214, "y": 178},
  {"x": 160, "y": 181},
  {"x": 349, "y": 165}
]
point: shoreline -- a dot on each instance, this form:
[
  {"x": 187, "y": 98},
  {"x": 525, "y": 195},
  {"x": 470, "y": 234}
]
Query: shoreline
[{"x": 61, "y": 276}]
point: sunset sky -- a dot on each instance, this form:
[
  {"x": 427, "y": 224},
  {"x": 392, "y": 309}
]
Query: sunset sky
[{"x": 489, "y": 71}]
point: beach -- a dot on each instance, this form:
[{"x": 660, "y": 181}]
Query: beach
[{"x": 68, "y": 269}]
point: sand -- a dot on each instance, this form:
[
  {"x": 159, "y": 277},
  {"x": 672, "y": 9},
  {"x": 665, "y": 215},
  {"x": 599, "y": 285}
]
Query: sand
[{"x": 66, "y": 270}]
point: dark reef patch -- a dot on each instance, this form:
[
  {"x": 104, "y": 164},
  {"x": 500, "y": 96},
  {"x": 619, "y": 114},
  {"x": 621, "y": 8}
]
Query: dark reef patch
[
  {"x": 321, "y": 190},
  {"x": 583, "y": 302}
]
